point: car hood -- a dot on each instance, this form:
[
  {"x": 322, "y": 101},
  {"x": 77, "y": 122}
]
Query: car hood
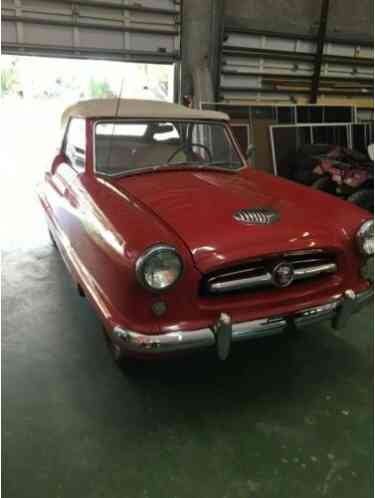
[{"x": 199, "y": 206}]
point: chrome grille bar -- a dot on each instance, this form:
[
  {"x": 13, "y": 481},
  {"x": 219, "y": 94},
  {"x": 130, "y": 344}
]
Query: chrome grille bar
[
  {"x": 217, "y": 285},
  {"x": 240, "y": 283},
  {"x": 300, "y": 273}
]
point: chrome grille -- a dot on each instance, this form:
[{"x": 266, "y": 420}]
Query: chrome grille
[
  {"x": 259, "y": 273},
  {"x": 257, "y": 216}
]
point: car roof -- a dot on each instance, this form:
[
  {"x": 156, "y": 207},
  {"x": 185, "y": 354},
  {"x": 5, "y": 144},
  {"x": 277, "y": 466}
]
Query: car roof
[{"x": 133, "y": 108}]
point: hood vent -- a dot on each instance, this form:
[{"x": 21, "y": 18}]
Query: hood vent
[{"x": 257, "y": 216}]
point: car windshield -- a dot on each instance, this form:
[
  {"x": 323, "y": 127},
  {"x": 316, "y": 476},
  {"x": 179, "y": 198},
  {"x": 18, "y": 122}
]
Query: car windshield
[{"x": 126, "y": 147}]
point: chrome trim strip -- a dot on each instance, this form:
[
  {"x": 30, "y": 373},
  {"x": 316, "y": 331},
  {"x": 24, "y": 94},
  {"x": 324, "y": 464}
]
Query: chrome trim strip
[
  {"x": 241, "y": 283},
  {"x": 317, "y": 314},
  {"x": 365, "y": 296},
  {"x": 311, "y": 271},
  {"x": 195, "y": 339},
  {"x": 164, "y": 343},
  {"x": 305, "y": 252},
  {"x": 258, "y": 328},
  {"x": 266, "y": 278}
]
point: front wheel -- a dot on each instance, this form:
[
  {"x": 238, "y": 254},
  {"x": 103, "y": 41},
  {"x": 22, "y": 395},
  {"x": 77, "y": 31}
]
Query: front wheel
[{"x": 364, "y": 199}]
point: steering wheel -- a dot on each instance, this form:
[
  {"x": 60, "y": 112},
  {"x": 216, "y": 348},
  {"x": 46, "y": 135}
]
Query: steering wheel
[{"x": 184, "y": 147}]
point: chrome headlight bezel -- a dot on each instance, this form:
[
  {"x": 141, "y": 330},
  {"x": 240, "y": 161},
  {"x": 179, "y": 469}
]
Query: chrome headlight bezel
[
  {"x": 365, "y": 234},
  {"x": 146, "y": 259}
]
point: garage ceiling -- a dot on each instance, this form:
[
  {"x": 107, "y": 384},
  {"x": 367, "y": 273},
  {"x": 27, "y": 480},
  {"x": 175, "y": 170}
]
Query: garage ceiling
[{"x": 143, "y": 31}]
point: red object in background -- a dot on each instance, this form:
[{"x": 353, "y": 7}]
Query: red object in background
[
  {"x": 356, "y": 177},
  {"x": 103, "y": 225},
  {"x": 343, "y": 169}
]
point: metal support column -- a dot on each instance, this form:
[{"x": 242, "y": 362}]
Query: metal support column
[
  {"x": 216, "y": 41},
  {"x": 319, "y": 51}
]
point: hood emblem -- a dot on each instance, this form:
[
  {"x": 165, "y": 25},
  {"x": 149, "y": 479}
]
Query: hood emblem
[
  {"x": 257, "y": 216},
  {"x": 283, "y": 274}
]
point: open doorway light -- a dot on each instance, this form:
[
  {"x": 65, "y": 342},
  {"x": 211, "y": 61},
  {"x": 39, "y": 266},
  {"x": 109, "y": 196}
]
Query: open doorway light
[
  {"x": 34, "y": 93},
  {"x": 71, "y": 79}
]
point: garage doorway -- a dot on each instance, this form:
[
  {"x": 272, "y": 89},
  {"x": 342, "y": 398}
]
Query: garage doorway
[{"x": 34, "y": 93}]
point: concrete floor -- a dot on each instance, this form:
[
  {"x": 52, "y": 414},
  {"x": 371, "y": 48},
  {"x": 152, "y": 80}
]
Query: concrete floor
[{"x": 283, "y": 417}]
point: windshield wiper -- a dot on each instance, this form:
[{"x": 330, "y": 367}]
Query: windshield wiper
[
  {"x": 184, "y": 163},
  {"x": 204, "y": 164},
  {"x": 224, "y": 163},
  {"x": 181, "y": 164}
]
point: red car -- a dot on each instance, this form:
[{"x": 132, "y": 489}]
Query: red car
[{"x": 180, "y": 244}]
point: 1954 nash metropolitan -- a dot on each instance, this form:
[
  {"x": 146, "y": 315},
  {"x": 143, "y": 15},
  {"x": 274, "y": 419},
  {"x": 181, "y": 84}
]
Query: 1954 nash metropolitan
[{"x": 180, "y": 244}]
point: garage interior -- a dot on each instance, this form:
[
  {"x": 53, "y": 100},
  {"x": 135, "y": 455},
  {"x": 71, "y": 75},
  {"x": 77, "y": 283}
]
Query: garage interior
[{"x": 286, "y": 416}]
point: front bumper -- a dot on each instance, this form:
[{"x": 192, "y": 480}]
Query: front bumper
[{"x": 223, "y": 332}]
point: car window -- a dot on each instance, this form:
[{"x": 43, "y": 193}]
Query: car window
[
  {"x": 128, "y": 147},
  {"x": 122, "y": 129},
  {"x": 165, "y": 132},
  {"x": 75, "y": 143},
  {"x": 208, "y": 142}
]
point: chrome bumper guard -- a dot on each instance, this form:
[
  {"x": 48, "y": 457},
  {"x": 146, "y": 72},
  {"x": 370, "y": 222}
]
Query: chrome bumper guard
[{"x": 223, "y": 332}]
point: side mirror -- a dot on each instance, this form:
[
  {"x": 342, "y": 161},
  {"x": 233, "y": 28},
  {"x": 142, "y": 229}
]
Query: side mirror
[
  {"x": 370, "y": 151},
  {"x": 59, "y": 159},
  {"x": 250, "y": 152},
  {"x": 163, "y": 128}
]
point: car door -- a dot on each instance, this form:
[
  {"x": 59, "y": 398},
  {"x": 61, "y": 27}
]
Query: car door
[{"x": 65, "y": 182}]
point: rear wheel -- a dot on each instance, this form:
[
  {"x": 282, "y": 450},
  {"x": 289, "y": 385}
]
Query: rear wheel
[
  {"x": 364, "y": 199},
  {"x": 325, "y": 184}
]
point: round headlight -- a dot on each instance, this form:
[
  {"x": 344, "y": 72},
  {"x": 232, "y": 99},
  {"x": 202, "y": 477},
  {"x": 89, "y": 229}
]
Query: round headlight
[
  {"x": 159, "y": 267},
  {"x": 365, "y": 238}
]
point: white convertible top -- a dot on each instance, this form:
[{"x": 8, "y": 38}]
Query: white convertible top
[{"x": 126, "y": 108}]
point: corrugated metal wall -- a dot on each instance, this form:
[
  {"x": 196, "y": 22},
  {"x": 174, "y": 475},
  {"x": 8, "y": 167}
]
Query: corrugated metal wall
[
  {"x": 145, "y": 31},
  {"x": 271, "y": 66}
]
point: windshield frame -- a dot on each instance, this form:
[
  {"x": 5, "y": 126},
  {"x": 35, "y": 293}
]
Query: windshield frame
[{"x": 159, "y": 167}]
